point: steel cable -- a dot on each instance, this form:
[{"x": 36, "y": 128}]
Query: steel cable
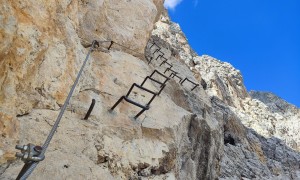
[
  {"x": 114, "y": 42},
  {"x": 55, "y": 126},
  {"x": 128, "y": 48},
  {"x": 30, "y": 166}
]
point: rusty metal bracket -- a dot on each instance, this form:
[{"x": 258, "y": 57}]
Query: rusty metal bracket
[
  {"x": 162, "y": 84},
  {"x": 157, "y": 50},
  {"x": 159, "y": 56},
  {"x": 161, "y": 74},
  {"x": 186, "y": 79},
  {"x": 166, "y": 62},
  {"x": 111, "y": 43},
  {"x": 154, "y": 44},
  {"x": 90, "y": 110},
  {"x": 126, "y": 98},
  {"x": 175, "y": 75},
  {"x": 170, "y": 69}
]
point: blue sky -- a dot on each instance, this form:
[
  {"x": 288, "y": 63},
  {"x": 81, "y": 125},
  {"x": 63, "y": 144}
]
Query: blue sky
[{"x": 259, "y": 37}]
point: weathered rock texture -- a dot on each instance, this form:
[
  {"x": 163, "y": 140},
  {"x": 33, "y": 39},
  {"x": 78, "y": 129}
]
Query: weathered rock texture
[
  {"x": 264, "y": 152},
  {"x": 283, "y": 117},
  {"x": 200, "y": 134},
  {"x": 42, "y": 44}
]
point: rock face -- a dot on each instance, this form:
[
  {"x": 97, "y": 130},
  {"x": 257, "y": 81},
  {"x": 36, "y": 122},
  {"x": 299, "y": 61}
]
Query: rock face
[
  {"x": 256, "y": 153},
  {"x": 9, "y": 131},
  {"x": 248, "y": 155},
  {"x": 39, "y": 54},
  {"x": 199, "y": 134},
  {"x": 283, "y": 116}
]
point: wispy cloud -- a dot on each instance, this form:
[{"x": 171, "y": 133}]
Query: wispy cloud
[{"x": 171, "y": 4}]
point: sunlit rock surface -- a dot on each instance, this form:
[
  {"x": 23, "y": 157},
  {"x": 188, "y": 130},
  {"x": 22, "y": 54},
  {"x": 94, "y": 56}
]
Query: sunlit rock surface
[{"x": 216, "y": 131}]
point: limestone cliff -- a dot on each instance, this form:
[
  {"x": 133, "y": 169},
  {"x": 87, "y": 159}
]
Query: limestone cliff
[
  {"x": 283, "y": 117},
  {"x": 199, "y": 134},
  {"x": 265, "y": 151}
]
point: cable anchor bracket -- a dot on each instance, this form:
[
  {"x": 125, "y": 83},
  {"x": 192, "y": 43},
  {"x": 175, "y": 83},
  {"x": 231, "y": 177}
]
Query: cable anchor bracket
[{"x": 30, "y": 153}]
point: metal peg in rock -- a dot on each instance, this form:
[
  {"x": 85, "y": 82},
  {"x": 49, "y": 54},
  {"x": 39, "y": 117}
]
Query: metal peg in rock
[
  {"x": 86, "y": 117},
  {"x": 32, "y": 154}
]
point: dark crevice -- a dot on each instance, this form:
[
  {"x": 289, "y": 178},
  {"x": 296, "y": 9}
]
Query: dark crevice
[
  {"x": 229, "y": 139},
  {"x": 20, "y": 115},
  {"x": 3, "y": 168},
  {"x": 203, "y": 84}
]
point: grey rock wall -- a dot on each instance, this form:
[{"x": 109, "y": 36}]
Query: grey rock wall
[{"x": 216, "y": 131}]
